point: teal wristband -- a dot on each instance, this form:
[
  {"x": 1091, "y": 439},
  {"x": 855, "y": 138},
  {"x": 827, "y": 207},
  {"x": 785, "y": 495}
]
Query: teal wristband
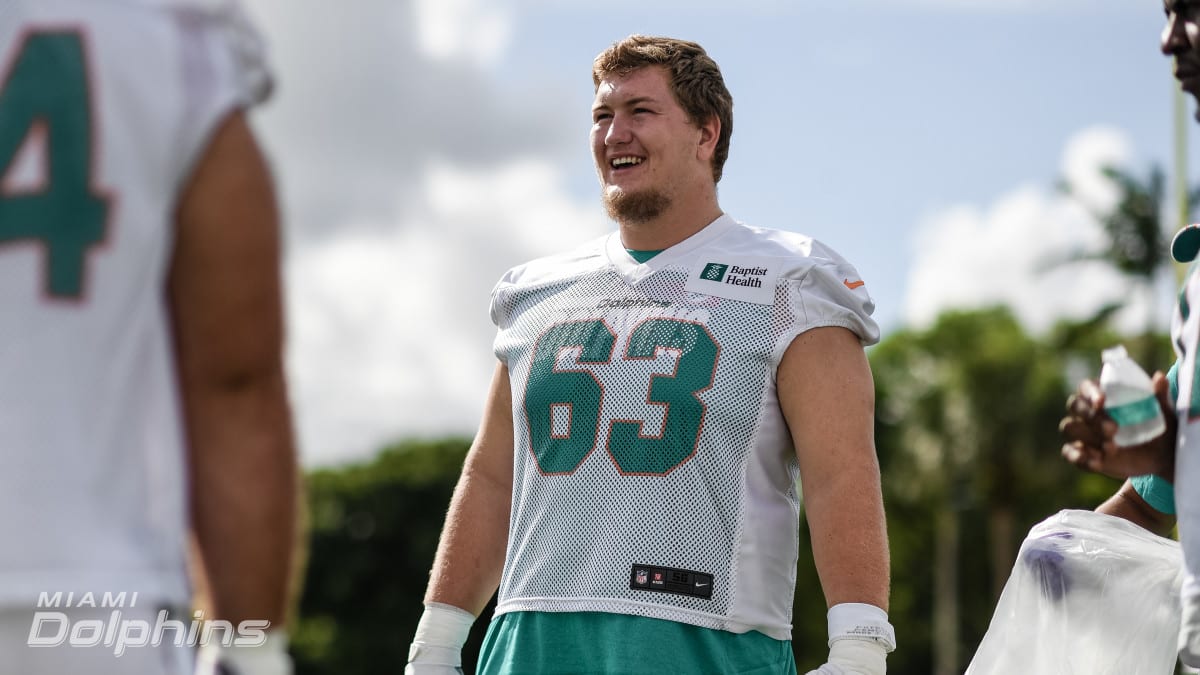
[{"x": 1157, "y": 492}]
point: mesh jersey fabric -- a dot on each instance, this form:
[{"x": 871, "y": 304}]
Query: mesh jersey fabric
[
  {"x": 93, "y": 485},
  {"x": 1185, "y": 334},
  {"x": 648, "y": 434}
]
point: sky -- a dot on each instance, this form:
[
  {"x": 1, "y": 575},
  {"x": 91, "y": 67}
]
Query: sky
[{"x": 423, "y": 147}]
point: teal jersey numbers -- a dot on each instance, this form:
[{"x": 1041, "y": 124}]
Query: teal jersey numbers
[
  {"x": 678, "y": 392},
  {"x": 46, "y": 92},
  {"x": 575, "y": 392},
  {"x": 576, "y": 395}
]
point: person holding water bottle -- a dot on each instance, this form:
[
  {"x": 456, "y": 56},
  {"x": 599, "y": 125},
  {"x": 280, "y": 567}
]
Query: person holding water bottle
[
  {"x": 1078, "y": 572},
  {"x": 1163, "y": 471},
  {"x": 1130, "y": 400}
]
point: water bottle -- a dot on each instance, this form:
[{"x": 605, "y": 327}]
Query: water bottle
[{"x": 1129, "y": 398}]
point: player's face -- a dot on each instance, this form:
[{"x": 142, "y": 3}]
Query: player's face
[
  {"x": 1181, "y": 39},
  {"x": 644, "y": 146}
]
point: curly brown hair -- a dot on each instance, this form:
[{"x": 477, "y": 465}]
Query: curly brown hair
[{"x": 695, "y": 79}]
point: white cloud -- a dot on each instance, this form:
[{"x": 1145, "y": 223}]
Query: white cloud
[
  {"x": 410, "y": 180},
  {"x": 1009, "y": 6},
  {"x": 388, "y": 322},
  {"x": 969, "y": 256},
  {"x": 360, "y": 111},
  {"x": 790, "y": 7},
  {"x": 462, "y": 29},
  {"x": 364, "y": 312},
  {"x": 523, "y": 203},
  {"x": 1086, "y": 153}
]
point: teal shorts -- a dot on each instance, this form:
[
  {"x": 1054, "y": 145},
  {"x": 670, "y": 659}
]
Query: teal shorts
[{"x": 582, "y": 643}]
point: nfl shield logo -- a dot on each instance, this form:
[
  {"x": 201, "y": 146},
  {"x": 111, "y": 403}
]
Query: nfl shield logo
[{"x": 641, "y": 577}]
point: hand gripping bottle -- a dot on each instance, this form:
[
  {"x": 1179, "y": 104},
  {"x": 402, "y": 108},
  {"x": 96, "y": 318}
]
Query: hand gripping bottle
[{"x": 1129, "y": 398}]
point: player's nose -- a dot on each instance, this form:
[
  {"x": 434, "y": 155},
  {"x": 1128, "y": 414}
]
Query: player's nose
[
  {"x": 619, "y": 130},
  {"x": 1174, "y": 35}
]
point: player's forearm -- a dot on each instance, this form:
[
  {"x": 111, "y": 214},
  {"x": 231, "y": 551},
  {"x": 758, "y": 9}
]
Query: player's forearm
[
  {"x": 244, "y": 495},
  {"x": 470, "y": 557},
  {"x": 849, "y": 538}
]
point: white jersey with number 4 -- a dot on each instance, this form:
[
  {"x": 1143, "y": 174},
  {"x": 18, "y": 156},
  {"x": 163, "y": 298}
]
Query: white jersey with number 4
[
  {"x": 654, "y": 472},
  {"x": 105, "y": 108}
]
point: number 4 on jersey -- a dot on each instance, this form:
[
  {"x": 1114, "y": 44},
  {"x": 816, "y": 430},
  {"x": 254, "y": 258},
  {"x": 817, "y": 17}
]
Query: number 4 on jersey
[{"x": 45, "y": 91}]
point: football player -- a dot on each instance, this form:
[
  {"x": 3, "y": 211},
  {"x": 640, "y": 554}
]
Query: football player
[
  {"x": 142, "y": 393},
  {"x": 1164, "y": 473},
  {"x": 632, "y": 489}
]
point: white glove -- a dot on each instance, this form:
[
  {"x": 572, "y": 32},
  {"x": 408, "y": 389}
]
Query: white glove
[
  {"x": 852, "y": 656},
  {"x": 860, "y": 638},
  {"x": 437, "y": 646},
  {"x": 269, "y": 658}
]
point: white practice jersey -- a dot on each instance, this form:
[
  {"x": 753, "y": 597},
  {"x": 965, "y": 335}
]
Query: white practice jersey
[
  {"x": 1185, "y": 333},
  {"x": 654, "y": 473},
  {"x": 105, "y": 107}
]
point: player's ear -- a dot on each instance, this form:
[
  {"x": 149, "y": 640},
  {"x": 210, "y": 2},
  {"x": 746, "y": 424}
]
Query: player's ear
[{"x": 710, "y": 131}]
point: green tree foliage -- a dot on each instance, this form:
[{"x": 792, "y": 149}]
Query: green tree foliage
[
  {"x": 967, "y": 415},
  {"x": 374, "y": 529}
]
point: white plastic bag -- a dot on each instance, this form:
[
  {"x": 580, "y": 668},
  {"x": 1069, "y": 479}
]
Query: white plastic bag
[{"x": 1090, "y": 594}]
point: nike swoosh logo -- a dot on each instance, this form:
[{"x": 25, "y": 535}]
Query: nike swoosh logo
[
  {"x": 698, "y": 584},
  {"x": 853, "y": 284}
]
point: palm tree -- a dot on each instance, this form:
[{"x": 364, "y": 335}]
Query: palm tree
[
  {"x": 1137, "y": 241},
  {"x": 1137, "y": 233}
]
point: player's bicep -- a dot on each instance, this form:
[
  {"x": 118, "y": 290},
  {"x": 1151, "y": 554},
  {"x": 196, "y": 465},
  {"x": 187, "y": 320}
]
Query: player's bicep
[
  {"x": 224, "y": 286},
  {"x": 828, "y": 398}
]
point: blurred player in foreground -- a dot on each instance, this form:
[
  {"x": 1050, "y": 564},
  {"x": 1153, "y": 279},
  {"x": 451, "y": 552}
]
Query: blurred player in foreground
[
  {"x": 632, "y": 488},
  {"x": 142, "y": 393}
]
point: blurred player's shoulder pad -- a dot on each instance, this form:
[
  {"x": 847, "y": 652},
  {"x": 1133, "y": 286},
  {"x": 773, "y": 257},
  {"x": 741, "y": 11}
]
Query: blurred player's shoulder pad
[{"x": 244, "y": 40}]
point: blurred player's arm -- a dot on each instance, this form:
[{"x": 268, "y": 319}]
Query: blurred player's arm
[
  {"x": 1088, "y": 443},
  {"x": 828, "y": 398},
  {"x": 225, "y": 297},
  {"x": 1128, "y": 504},
  {"x": 470, "y": 555}
]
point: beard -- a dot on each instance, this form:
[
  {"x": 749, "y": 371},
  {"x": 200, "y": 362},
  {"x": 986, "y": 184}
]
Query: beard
[{"x": 635, "y": 207}]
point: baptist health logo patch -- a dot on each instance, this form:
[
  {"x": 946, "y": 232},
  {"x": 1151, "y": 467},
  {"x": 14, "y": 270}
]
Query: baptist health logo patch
[
  {"x": 745, "y": 278},
  {"x": 714, "y": 272}
]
